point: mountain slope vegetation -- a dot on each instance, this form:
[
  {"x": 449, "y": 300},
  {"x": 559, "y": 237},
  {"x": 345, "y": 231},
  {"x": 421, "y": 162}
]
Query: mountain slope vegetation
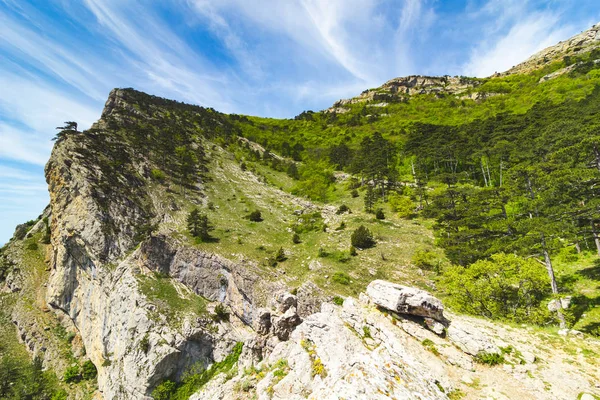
[{"x": 482, "y": 191}]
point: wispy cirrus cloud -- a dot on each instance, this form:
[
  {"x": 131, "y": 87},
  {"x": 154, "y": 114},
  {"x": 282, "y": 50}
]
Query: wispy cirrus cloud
[{"x": 515, "y": 30}]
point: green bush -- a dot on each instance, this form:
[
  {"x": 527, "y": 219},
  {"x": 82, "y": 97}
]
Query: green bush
[
  {"x": 88, "y": 370},
  {"x": 489, "y": 358},
  {"x": 505, "y": 287},
  {"x": 145, "y": 343},
  {"x": 158, "y": 175},
  {"x": 221, "y": 313},
  {"x": 379, "y": 214},
  {"x": 341, "y": 277},
  {"x": 338, "y": 301},
  {"x": 255, "y": 216},
  {"x": 427, "y": 259},
  {"x": 296, "y": 238},
  {"x": 362, "y": 238},
  {"x": 72, "y": 374},
  {"x": 280, "y": 255},
  {"x": 342, "y": 209},
  {"x": 322, "y": 252},
  {"x": 33, "y": 246},
  {"x": 354, "y": 193},
  {"x": 402, "y": 205},
  {"x": 353, "y": 251},
  {"x": 164, "y": 391}
]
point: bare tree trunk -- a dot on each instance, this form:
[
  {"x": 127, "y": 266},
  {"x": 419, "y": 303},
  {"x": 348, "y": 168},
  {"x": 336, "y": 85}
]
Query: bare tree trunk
[
  {"x": 483, "y": 172},
  {"x": 595, "y": 234},
  {"x": 548, "y": 263}
]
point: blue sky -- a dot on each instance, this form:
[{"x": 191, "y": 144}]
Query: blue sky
[{"x": 59, "y": 59}]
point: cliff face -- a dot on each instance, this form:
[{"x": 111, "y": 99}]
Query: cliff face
[{"x": 101, "y": 209}]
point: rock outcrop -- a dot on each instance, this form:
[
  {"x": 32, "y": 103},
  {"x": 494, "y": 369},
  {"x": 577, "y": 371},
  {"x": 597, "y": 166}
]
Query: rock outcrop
[
  {"x": 405, "y": 300},
  {"x": 581, "y": 43}
]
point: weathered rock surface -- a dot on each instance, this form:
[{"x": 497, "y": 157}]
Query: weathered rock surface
[
  {"x": 405, "y": 300},
  {"x": 585, "y": 41},
  {"x": 285, "y": 324}
]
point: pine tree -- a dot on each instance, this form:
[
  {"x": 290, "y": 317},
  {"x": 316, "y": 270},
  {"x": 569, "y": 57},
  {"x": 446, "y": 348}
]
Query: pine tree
[
  {"x": 199, "y": 225},
  {"x": 193, "y": 222},
  {"x": 370, "y": 199},
  {"x": 362, "y": 238}
]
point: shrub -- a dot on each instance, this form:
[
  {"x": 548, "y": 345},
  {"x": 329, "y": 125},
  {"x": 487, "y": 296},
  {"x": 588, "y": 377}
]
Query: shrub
[
  {"x": 489, "y": 358},
  {"x": 145, "y": 343},
  {"x": 353, "y": 251},
  {"x": 157, "y": 174},
  {"x": 33, "y": 246},
  {"x": 164, "y": 390},
  {"x": 280, "y": 255},
  {"x": 243, "y": 166},
  {"x": 72, "y": 374},
  {"x": 362, "y": 238},
  {"x": 88, "y": 370},
  {"x": 221, "y": 313},
  {"x": 402, "y": 205},
  {"x": 342, "y": 209},
  {"x": 354, "y": 193},
  {"x": 341, "y": 278},
  {"x": 379, "y": 214},
  {"x": 427, "y": 259},
  {"x": 255, "y": 216},
  {"x": 338, "y": 301},
  {"x": 60, "y": 395},
  {"x": 322, "y": 252},
  {"x": 296, "y": 238},
  {"x": 504, "y": 287}
]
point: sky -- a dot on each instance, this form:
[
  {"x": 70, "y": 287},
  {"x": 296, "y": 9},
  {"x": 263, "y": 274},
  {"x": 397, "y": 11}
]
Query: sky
[{"x": 59, "y": 59}]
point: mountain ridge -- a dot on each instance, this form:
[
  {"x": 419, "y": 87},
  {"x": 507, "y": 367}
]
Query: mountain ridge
[{"x": 284, "y": 305}]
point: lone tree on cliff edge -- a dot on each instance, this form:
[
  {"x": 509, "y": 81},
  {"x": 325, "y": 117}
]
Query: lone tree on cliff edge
[{"x": 70, "y": 126}]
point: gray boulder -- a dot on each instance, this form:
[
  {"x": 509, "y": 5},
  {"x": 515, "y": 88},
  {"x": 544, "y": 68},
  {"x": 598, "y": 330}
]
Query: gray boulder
[
  {"x": 405, "y": 300},
  {"x": 262, "y": 321},
  {"x": 285, "y": 324}
]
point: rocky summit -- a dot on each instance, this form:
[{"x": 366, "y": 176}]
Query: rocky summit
[{"x": 434, "y": 238}]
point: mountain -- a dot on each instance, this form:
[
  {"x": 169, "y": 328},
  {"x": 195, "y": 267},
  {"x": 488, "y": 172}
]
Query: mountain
[{"x": 432, "y": 238}]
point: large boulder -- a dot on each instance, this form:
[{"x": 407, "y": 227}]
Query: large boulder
[
  {"x": 405, "y": 300},
  {"x": 285, "y": 324}
]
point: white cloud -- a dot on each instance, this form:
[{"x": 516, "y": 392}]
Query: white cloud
[{"x": 510, "y": 31}]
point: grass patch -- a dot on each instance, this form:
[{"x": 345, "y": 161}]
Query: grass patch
[{"x": 172, "y": 298}]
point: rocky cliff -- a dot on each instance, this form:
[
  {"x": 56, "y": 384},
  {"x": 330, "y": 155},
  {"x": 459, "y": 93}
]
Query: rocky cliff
[{"x": 150, "y": 306}]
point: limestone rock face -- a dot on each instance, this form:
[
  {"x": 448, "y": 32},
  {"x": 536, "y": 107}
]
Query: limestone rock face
[
  {"x": 285, "y": 324},
  {"x": 99, "y": 215},
  {"x": 470, "y": 340},
  {"x": 405, "y": 300},
  {"x": 208, "y": 275},
  {"x": 575, "y": 45}
]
